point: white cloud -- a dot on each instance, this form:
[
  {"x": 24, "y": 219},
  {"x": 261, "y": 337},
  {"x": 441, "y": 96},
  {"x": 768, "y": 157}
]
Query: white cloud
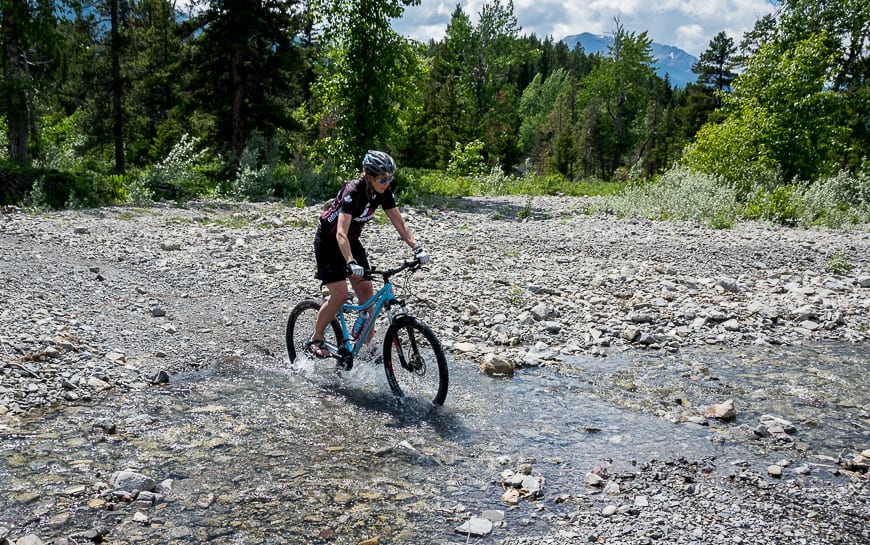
[
  {"x": 692, "y": 37},
  {"x": 688, "y": 24}
]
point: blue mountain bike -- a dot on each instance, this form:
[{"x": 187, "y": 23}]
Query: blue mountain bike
[{"x": 412, "y": 355}]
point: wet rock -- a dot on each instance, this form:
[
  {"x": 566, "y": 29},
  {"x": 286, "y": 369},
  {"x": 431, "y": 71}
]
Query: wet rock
[
  {"x": 496, "y": 365},
  {"x": 722, "y": 411},
  {"x": 631, "y": 334},
  {"x": 774, "y": 424},
  {"x": 106, "y": 425},
  {"x": 594, "y": 480},
  {"x": 95, "y": 534},
  {"x": 465, "y": 347},
  {"x": 131, "y": 480},
  {"x": 475, "y": 527},
  {"x": 496, "y": 516},
  {"x": 531, "y": 486},
  {"x": 511, "y": 496},
  {"x": 612, "y": 488},
  {"x": 159, "y": 377},
  {"x": 859, "y": 463}
]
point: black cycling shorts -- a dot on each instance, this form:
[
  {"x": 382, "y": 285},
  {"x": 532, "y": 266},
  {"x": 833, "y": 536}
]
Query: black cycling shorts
[{"x": 331, "y": 266}]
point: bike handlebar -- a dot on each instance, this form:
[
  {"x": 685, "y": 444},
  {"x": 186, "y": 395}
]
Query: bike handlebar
[{"x": 413, "y": 265}]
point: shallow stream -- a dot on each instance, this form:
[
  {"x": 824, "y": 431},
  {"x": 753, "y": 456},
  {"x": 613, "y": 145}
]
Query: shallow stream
[{"x": 260, "y": 453}]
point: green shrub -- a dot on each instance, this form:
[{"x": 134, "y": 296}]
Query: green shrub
[
  {"x": 255, "y": 178},
  {"x": 137, "y": 192},
  {"x": 782, "y": 205},
  {"x": 44, "y": 188},
  {"x": 467, "y": 160},
  {"x": 181, "y": 175},
  {"x": 60, "y": 141},
  {"x": 736, "y": 150},
  {"x": 838, "y": 263},
  {"x": 837, "y": 201},
  {"x": 679, "y": 193}
]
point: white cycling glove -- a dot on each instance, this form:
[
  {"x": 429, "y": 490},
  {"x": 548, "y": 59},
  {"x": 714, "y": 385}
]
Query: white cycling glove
[
  {"x": 355, "y": 268},
  {"x": 421, "y": 254}
]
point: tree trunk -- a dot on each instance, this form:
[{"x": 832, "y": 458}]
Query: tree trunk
[
  {"x": 117, "y": 91},
  {"x": 14, "y": 78},
  {"x": 236, "y": 71}
]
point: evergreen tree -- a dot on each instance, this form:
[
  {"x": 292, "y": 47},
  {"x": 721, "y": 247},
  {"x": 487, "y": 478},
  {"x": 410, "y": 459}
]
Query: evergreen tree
[
  {"x": 29, "y": 39},
  {"x": 547, "y": 113},
  {"x": 246, "y": 66},
  {"x": 154, "y": 93},
  {"x": 449, "y": 111},
  {"x": 614, "y": 100},
  {"x": 715, "y": 66}
]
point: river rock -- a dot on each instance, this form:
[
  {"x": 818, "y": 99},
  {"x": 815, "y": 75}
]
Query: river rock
[
  {"x": 774, "y": 424},
  {"x": 593, "y": 480},
  {"x": 494, "y": 364},
  {"x": 511, "y": 496},
  {"x": 131, "y": 480},
  {"x": 723, "y": 411},
  {"x": 475, "y": 527}
]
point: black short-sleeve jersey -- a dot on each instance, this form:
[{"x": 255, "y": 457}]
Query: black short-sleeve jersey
[{"x": 355, "y": 199}]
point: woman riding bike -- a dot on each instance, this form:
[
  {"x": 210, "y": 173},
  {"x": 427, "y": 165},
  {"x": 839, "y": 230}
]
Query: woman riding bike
[{"x": 339, "y": 253}]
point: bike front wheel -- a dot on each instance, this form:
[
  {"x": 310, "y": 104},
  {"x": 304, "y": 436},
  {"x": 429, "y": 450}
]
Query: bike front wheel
[
  {"x": 414, "y": 361},
  {"x": 300, "y": 326}
]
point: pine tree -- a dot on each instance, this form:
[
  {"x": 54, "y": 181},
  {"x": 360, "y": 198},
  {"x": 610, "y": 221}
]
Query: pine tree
[{"x": 715, "y": 67}]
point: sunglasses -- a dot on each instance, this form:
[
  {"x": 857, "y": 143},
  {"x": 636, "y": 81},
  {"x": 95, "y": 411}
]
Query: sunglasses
[{"x": 386, "y": 180}]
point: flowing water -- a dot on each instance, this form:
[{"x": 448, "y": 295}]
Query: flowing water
[{"x": 257, "y": 452}]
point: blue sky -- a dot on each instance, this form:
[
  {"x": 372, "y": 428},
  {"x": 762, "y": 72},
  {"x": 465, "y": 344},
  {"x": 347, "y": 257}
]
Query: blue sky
[{"x": 687, "y": 24}]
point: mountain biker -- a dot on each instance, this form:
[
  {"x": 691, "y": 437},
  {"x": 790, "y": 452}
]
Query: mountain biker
[{"x": 339, "y": 253}]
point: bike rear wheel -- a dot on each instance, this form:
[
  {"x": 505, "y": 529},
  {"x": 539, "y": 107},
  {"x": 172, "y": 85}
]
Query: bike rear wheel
[
  {"x": 414, "y": 361},
  {"x": 300, "y": 326}
]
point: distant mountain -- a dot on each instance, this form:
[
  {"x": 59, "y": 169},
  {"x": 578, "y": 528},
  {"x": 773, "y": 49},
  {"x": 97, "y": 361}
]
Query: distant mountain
[{"x": 669, "y": 60}]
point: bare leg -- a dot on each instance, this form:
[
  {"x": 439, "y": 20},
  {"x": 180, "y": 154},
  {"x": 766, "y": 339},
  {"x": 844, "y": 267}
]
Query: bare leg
[{"x": 337, "y": 297}]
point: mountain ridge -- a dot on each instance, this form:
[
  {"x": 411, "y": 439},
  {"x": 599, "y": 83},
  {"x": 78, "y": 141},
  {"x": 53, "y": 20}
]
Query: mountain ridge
[{"x": 670, "y": 60}]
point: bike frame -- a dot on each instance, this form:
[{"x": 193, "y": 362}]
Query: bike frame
[{"x": 383, "y": 298}]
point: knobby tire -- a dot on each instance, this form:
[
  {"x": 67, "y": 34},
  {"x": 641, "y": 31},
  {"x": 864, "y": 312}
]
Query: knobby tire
[
  {"x": 300, "y": 326},
  {"x": 414, "y": 361}
]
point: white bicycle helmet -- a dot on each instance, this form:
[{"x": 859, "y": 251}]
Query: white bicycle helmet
[{"x": 378, "y": 163}]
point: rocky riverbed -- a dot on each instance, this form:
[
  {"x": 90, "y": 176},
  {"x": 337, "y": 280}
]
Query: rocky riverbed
[
  {"x": 116, "y": 302},
  {"x": 107, "y": 299}
]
